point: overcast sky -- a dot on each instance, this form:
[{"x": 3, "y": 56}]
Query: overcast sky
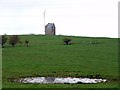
[{"x": 94, "y": 18}]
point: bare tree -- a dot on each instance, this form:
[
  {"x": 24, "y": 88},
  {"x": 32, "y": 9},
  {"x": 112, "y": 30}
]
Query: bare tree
[
  {"x": 4, "y": 40},
  {"x": 13, "y": 40}
]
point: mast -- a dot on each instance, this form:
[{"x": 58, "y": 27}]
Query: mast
[{"x": 44, "y": 18}]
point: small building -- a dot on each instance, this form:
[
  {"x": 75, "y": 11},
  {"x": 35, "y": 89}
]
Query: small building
[{"x": 50, "y": 29}]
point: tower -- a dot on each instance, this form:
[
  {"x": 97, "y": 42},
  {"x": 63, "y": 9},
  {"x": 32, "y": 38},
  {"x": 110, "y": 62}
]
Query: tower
[{"x": 50, "y": 29}]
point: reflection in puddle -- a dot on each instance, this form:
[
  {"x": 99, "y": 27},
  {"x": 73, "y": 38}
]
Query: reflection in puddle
[{"x": 68, "y": 80}]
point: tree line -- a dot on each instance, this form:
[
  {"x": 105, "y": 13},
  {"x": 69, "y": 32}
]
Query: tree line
[{"x": 12, "y": 40}]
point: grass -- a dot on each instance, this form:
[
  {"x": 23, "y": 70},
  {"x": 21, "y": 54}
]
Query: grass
[{"x": 48, "y": 56}]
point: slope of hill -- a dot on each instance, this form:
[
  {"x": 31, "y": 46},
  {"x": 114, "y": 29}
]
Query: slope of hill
[{"x": 48, "y": 56}]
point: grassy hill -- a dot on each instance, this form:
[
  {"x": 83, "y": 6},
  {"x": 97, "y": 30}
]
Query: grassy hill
[{"x": 48, "y": 56}]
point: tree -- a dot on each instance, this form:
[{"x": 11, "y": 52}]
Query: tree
[
  {"x": 13, "y": 40},
  {"x": 4, "y": 40},
  {"x": 67, "y": 41},
  {"x": 27, "y": 42}
]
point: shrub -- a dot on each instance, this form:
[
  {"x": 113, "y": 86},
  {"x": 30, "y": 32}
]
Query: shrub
[
  {"x": 27, "y": 42},
  {"x": 67, "y": 41},
  {"x": 20, "y": 42},
  {"x": 0, "y": 40}
]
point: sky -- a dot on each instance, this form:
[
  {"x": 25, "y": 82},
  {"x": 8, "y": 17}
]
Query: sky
[{"x": 92, "y": 18}]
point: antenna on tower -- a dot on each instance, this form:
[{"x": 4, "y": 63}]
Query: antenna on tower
[{"x": 44, "y": 18}]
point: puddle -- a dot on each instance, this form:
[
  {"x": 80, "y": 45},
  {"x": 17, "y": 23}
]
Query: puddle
[{"x": 53, "y": 80}]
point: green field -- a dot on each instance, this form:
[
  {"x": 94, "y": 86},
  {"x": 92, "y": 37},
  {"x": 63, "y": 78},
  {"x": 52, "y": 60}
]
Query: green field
[{"x": 48, "y": 56}]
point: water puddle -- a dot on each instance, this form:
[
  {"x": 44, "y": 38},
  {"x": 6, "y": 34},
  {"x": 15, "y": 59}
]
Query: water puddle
[{"x": 59, "y": 80}]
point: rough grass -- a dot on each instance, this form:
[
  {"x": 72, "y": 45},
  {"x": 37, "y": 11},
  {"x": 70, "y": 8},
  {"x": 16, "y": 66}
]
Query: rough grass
[{"x": 48, "y": 56}]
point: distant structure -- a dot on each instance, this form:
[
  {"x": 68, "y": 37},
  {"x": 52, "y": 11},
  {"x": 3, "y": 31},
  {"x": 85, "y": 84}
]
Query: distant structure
[{"x": 50, "y": 29}]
